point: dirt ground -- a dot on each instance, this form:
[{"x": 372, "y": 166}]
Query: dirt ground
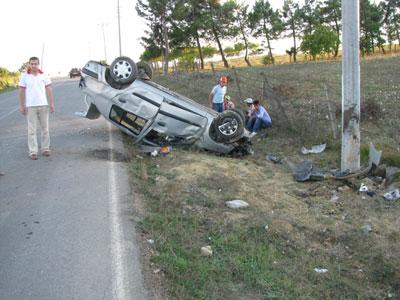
[{"x": 326, "y": 224}]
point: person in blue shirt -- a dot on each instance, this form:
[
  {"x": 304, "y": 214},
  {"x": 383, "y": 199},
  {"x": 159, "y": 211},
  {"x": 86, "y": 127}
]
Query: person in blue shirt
[
  {"x": 259, "y": 118},
  {"x": 217, "y": 95}
]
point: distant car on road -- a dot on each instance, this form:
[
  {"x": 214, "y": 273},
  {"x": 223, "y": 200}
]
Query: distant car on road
[
  {"x": 75, "y": 72},
  {"x": 154, "y": 115}
]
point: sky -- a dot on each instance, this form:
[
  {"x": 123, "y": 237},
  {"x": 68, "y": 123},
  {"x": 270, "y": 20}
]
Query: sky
[{"x": 68, "y": 33}]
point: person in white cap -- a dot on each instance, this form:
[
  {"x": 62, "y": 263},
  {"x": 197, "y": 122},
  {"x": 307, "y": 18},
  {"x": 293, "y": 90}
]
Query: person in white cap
[{"x": 250, "y": 109}]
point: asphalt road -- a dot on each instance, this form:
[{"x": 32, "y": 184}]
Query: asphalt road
[{"x": 66, "y": 229}]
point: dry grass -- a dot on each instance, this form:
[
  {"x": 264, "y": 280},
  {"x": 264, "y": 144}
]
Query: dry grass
[{"x": 310, "y": 225}]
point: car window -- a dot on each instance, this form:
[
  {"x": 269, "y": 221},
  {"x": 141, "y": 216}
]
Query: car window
[
  {"x": 91, "y": 68},
  {"x": 127, "y": 119}
]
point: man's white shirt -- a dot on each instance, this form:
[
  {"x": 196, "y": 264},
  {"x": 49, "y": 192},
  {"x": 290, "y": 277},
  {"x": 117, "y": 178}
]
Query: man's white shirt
[
  {"x": 35, "y": 88},
  {"x": 218, "y": 93}
]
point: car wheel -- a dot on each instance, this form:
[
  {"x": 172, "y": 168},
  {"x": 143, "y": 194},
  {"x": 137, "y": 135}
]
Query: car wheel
[
  {"x": 145, "y": 71},
  {"x": 123, "y": 70},
  {"x": 228, "y": 127},
  {"x": 112, "y": 83},
  {"x": 240, "y": 112}
]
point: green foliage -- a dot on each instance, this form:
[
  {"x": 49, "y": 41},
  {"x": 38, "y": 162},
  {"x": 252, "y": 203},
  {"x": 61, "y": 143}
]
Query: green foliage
[
  {"x": 253, "y": 46},
  {"x": 7, "y": 79},
  {"x": 331, "y": 15},
  {"x": 293, "y": 24},
  {"x": 265, "y": 21},
  {"x": 239, "y": 47},
  {"x": 267, "y": 60},
  {"x": 322, "y": 41},
  {"x": 150, "y": 54},
  {"x": 371, "y": 18},
  {"x": 209, "y": 51},
  {"x": 391, "y": 20},
  {"x": 186, "y": 57},
  {"x": 177, "y": 24},
  {"x": 311, "y": 16}
]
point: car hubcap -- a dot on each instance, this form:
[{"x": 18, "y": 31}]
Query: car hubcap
[
  {"x": 229, "y": 127},
  {"x": 122, "y": 69}
]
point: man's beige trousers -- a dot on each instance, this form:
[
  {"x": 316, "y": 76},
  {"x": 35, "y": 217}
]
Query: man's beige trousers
[{"x": 38, "y": 115}]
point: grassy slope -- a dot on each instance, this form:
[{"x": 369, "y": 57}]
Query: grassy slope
[{"x": 184, "y": 195}]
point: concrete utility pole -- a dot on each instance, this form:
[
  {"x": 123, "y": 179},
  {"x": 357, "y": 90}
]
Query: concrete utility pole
[
  {"x": 119, "y": 29},
  {"x": 350, "y": 86},
  {"x": 104, "y": 43},
  {"x": 41, "y": 59}
]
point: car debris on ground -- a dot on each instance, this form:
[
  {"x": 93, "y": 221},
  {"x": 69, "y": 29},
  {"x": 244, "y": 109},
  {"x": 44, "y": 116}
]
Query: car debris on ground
[
  {"x": 237, "y": 204},
  {"x": 273, "y": 158},
  {"x": 314, "y": 149},
  {"x": 306, "y": 171},
  {"x": 392, "y": 195},
  {"x": 320, "y": 270},
  {"x": 363, "y": 188}
]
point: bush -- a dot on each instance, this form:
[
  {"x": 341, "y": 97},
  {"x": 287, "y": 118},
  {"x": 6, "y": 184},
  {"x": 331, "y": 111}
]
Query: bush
[{"x": 267, "y": 60}]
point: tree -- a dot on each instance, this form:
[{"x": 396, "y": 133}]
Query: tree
[
  {"x": 332, "y": 14},
  {"x": 266, "y": 21},
  {"x": 292, "y": 19},
  {"x": 311, "y": 15},
  {"x": 209, "y": 51},
  {"x": 243, "y": 24},
  {"x": 391, "y": 20},
  {"x": 220, "y": 18},
  {"x": 193, "y": 24},
  {"x": 159, "y": 15},
  {"x": 371, "y": 17},
  {"x": 322, "y": 40}
]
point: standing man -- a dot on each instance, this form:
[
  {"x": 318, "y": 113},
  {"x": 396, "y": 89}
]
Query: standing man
[
  {"x": 217, "y": 94},
  {"x": 259, "y": 118},
  {"x": 34, "y": 86}
]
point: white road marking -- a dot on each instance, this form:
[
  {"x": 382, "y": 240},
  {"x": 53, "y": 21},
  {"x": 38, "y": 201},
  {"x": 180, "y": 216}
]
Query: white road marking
[
  {"x": 9, "y": 113},
  {"x": 120, "y": 290}
]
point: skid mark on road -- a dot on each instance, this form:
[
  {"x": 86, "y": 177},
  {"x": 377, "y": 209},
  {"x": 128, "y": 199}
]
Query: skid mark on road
[{"x": 120, "y": 289}]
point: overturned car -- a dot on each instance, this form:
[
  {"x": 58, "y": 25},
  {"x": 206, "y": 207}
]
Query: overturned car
[{"x": 154, "y": 115}]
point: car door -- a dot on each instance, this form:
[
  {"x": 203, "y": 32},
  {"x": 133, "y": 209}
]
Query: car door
[{"x": 135, "y": 110}]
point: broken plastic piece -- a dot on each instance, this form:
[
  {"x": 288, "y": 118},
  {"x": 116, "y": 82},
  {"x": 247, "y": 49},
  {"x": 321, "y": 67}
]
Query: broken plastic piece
[
  {"x": 363, "y": 188},
  {"x": 149, "y": 149},
  {"x": 338, "y": 174},
  {"x": 303, "y": 171},
  {"x": 321, "y": 270},
  {"x": 314, "y": 149},
  {"x": 236, "y": 204},
  {"x": 275, "y": 159},
  {"x": 374, "y": 155},
  {"x": 165, "y": 149},
  {"x": 392, "y": 195}
]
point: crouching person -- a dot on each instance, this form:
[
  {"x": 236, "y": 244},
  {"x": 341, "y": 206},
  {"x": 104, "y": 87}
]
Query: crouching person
[{"x": 259, "y": 119}]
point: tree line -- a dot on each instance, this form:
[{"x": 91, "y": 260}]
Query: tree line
[{"x": 185, "y": 29}]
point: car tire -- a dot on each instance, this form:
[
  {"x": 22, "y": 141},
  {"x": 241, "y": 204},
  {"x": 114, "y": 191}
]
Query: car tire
[
  {"x": 145, "y": 71},
  {"x": 123, "y": 70},
  {"x": 240, "y": 112},
  {"x": 112, "y": 83},
  {"x": 228, "y": 127}
]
